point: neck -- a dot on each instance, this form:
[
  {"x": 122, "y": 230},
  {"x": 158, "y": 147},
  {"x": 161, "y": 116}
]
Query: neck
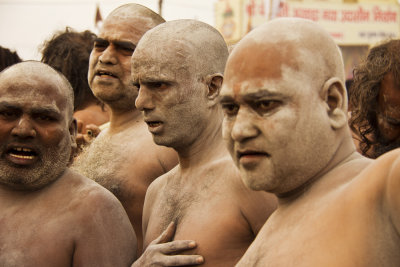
[
  {"x": 207, "y": 147},
  {"x": 345, "y": 153},
  {"x": 120, "y": 119}
]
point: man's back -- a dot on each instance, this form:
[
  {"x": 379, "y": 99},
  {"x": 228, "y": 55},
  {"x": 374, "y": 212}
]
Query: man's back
[
  {"x": 125, "y": 163},
  {"x": 72, "y": 222},
  {"x": 346, "y": 218},
  {"x": 210, "y": 205}
]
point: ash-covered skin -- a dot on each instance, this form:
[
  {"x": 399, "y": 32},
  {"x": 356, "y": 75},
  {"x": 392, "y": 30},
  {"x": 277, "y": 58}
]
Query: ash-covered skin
[
  {"x": 123, "y": 158},
  {"x": 286, "y": 127},
  {"x": 42, "y": 201},
  {"x": 37, "y": 126},
  {"x": 204, "y": 196},
  {"x": 280, "y": 98}
]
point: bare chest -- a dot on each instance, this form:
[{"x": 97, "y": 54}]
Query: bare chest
[
  {"x": 212, "y": 219},
  {"x": 29, "y": 239},
  {"x": 124, "y": 168}
]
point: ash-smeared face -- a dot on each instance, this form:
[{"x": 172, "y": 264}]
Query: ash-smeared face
[{"x": 35, "y": 137}]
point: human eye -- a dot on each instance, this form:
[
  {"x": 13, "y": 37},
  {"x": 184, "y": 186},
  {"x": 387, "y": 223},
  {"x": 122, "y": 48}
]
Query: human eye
[
  {"x": 45, "y": 117},
  {"x": 158, "y": 85},
  {"x": 100, "y": 44},
  {"x": 393, "y": 122},
  {"x": 137, "y": 85},
  {"x": 127, "y": 50},
  {"x": 230, "y": 109},
  {"x": 265, "y": 106},
  {"x": 9, "y": 114}
]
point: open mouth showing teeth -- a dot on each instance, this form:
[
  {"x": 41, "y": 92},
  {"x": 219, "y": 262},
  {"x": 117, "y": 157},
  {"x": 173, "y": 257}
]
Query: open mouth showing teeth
[
  {"x": 154, "y": 123},
  {"x": 22, "y": 153},
  {"x": 101, "y": 73}
]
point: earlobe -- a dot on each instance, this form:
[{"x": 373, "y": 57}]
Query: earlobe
[{"x": 335, "y": 96}]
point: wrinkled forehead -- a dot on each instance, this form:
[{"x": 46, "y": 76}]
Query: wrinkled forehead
[{"x": 34, "y": 86}]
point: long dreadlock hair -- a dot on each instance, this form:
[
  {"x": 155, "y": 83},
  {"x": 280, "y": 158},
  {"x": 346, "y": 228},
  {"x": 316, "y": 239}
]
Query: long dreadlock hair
[{"x": 367, "y": 77}]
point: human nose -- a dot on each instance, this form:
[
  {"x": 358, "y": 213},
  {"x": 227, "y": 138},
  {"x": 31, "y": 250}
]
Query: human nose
[
  {"x": 108, "y": 56},
  {"x": 144, "y": 99},
  {"x": 243, "y": 126},
  {"x": 24, "y": 128}
]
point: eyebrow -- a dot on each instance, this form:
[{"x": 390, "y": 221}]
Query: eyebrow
[
  {"x": 226, "y": 98},
  {"x": 252, "y": 96},
  {"x": 122, "y": 44},
  {"x": 46, "y": 110},
  {"x": 261, "y": 94},
  {"x": 41, "y": 110}
]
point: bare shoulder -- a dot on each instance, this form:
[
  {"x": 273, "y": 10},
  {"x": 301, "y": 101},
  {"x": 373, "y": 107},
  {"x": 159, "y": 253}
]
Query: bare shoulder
[
  {"x": 255, "y": 206},
  {"x": 87, "y": 198},
  {"x": 87, "y": 191},
  {"x": 102, "y": 231},
  {"x": 159, "y": 184},
  {"x": 387, "y": 169}
]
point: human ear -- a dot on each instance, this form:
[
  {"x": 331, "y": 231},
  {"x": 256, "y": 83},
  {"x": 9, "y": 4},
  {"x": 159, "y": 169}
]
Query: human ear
[
  {"x": 214, "y": 83},
  {"x": 73, "y": 128},
  {"x": 335, "y": 96}
]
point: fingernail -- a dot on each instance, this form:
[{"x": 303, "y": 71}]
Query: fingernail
[
  {"x": 192, "y": 244},
  {"x": 199, "y": 260}
]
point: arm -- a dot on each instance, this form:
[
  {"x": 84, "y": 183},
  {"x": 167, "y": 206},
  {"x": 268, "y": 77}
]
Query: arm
[
  {"x": 105, "y": 236},
  {"x": 391, "y": 194}
]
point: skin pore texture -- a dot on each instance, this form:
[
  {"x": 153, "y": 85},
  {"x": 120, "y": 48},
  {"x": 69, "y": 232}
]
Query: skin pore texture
[
  {"x": 204, "y": 196},
  {"x": 123, "y": 158},
  {"x": 286, "y": 128},
  {"x": 50, "y": 215}
]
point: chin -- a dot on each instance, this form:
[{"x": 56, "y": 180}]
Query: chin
[
  {"x": 257, "y": 182},
  {"x": 162, "y": 141},
  {"x": 251, "y": 182}
]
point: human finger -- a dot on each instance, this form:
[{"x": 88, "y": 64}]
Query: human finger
[
  {"x": 176, "y": 246},
  {"x": 182, "y": 260}
]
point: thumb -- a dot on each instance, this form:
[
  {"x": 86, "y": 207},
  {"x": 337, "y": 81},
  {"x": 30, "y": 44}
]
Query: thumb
[{"x": 167, "y": 235}]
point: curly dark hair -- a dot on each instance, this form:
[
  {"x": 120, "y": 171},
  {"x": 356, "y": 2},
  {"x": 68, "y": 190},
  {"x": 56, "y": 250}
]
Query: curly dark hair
[
  {"x": 381, "y": 60},
  {"x": 8, "y": 58},
  {"x": 68, "y": 52}
]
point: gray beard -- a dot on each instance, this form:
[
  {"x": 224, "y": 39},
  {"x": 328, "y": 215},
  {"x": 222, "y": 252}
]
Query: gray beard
[{"x": 49, "y": 168}]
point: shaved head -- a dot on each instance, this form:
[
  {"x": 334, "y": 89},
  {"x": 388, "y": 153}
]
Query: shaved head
[
  {"x": 194, "y": 44},
  {"x": 284, "y": 90},
  {"x": 294, "y": 43},
  {"x": 28, "y": 70},
  {"x": 144, "y": 16}
]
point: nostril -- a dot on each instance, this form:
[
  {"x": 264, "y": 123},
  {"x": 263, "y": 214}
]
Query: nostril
[{"x": 23, "y": 129}]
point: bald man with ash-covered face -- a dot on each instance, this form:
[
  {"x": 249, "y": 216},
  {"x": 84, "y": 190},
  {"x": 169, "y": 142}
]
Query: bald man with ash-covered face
[
  {"x": 49, "y": 214},
  {"x": 204, "y": 196},
  {"x": 123, "y": 158},
  {"x": 286, "y": 127}
]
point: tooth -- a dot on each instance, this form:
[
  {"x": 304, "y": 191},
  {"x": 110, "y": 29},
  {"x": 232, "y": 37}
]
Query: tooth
[
  {"x": 18, "y": 149},
  {"x": 22, "y": 157},
  {"x": 26, "y": 150}
]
